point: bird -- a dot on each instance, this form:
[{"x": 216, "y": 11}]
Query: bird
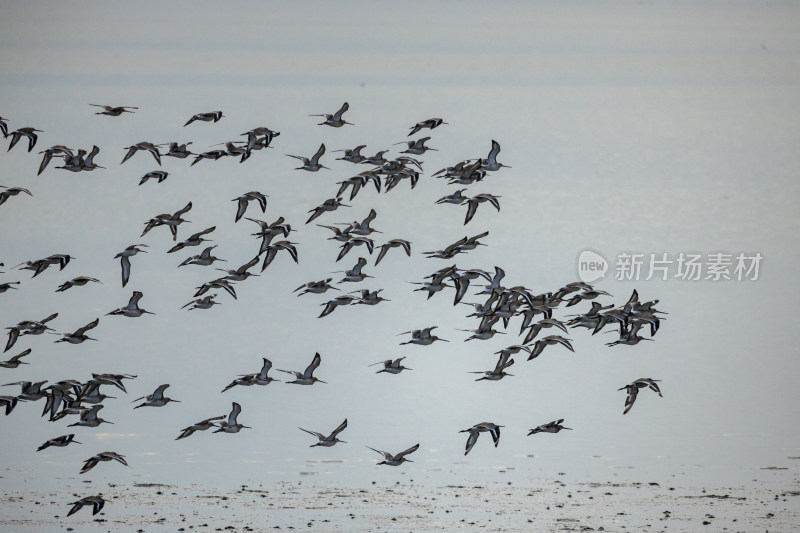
[
  {"x": 416, "y": 147},
  {"x": 551, "y": 427},
  {"x": 180, "y": 151},
  {"x": 206, "y": 302},
  {"x": 165, "y": 219},
  {"x": 102, "y": 456},
  {"x": 306, "y": 377},
  {"x": 124, "y": 257},
  {"x": 273, "y": 249},
  {"x": 159, "y": 175},
  {"x": 355, "y": 274},
  {"x": 4, "y": 127},
  {"x": 477, "y": 429},
  {"x": 429, "y": 123},
  {"x": 351, "y": 242},
  {"x": 422, "y": 337},
  {"x": 369, "y": 297},
  {"x": 473, "y": 203},
  {"x": 395, "y": 460},
  {"x": 205, "y": 117},
  {"x": 316, "y": 287},
  {"x": 391, "y": 366},
  {"x": 88, "y": 163},
  {"x": 144, "y": 145},
  {"x": 63, "y": 440},
  {"x": 28, "y": 132},
  {"x": 454, "y": 198},
  {"x": 490, "y": 163},
  {"x": 335, "y": 120},
  {"x": 8, "y": 285},
  {"x": 27, "y": 327},
  {"x": 79, "y": 335},
  {"x": 132, "y": 309},
  {"x": 9, "y": 402},
  {"x": 203, "y": 425},
  {"x": 220, "y": 283},
  {"x": 203, "y": 259},
  {"x": 194, "y": 240},
  {"x": 12, "y": 191},
  {"x": 332, "y": 304},
  {"x": 89, "y": 417},
  {"x": 331, "y": 439},
  {"x": 499, "y": 372},
  {"x": 58, "y": 150},
  {"x": 241, "y": 273},
  {"x": 245, "y": 199},
  {"x": 393, "y": 243},
  {"x": 540, "y": 345},
  {"x": 312, "y": 164},
  {"x": 231, "y": 425},
  {"x": 79, "y": 281},
  {"x": 331, "y": 204},
  {"x": 633, "y": 390},
  {"x": 260, "y": 378},
  {"x": 354, "y": 155},
  {"x": 113, "y": 379},
  {"x": 97, "y": 503},
  {"x": 157, "y": 399},
  {"x": 363, "y": 228},
  {"x": 113, "y": 111},
  {"x": 15, "y": 361}
]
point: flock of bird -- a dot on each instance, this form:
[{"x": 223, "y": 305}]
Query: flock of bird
[{"x": 494, "y": 305}]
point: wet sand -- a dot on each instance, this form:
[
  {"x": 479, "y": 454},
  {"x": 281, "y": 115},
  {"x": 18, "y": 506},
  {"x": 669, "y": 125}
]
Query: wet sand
[{"x": 546, "y": 505}]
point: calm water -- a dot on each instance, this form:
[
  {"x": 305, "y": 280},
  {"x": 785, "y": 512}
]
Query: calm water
[{"x": 628, "y": 128}]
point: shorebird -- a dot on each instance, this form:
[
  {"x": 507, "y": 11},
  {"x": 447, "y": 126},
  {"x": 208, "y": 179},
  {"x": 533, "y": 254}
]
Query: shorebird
[
  {"x": 132, "y": 309},
  {"x": 362, "y": 228},
  {"x": 353, "y": 156},
  {"x": 15, "y": 361},
  {"x": 4, "y": 127},
  {"x": 113, "y": 111},
  {"x": 586, "y": 295},
  {"x": 159, "y": 175},
  {"x": 207, "y": 302},
  {"x": 273, "y": 249},
  {"x": 429, "y": 123},
  {"x": 539, "y": 346},
  {"x": 89, "y": 417},
  {"x": 58, "y": 150},
  {"x": 335, "y": 120},
  {"x": 534, "y": 329},
  {"x": 270, "y": 230},
  {"x": 331, "y": 204},
  {"x": 91, "y": 462},
  {"x": 316, "y": 287},
  {"x": 79, "y": 335},
  {"x": 391, "y": 366},
  {"x": 455, "y": 198},
  {"x": 473, "y": 202},
  {"x": 220, "y": 283},
  {"x": 179, "y": 151},
  {"x": 63, "y": 440},
  {"x": 499, "y": 372},
  {"x": 12, "y": 191},
  {"x": 331, "y": 439},
  {"x": 27, "y": 327},
  {"x": 150, "y": 147},
  {"x": 97, "y": 503},
  {"x": 112, "y": 379},
  {"x": 88, "y": 163},
  {"x": 477, "y": 429},
  {"x": 358, "y": 181},
  {"x": 355, "y": 274},
  {"x": 9, "y": 402},
  {"x": 312, "y": 164},
  {"x": 29, "y": 391},
  {"x": 260, "y": 378},
  {"x": 331, "y": 305},
  {"x": 551, "y": 427},
  {"x": 203, "y": 425},
  {"x": 211, "y": 154},
  {"x": 79, "y": 281},
  {"x": 165, "y": 219},
  {"x": 306, "y": 377},
  {"x": 395, "y": 460},
  {"x": 124, "y": 257},
  {"x": 245, "y": 199},
  {"x": 231, "y": 425},
  {"x": 633, "y": 390},
  {"x": 195, "y": 240},
  {"x": 355, "y": 241},
  {"x": 422, "y": 337},
  {"x": 40, "y": 265},
  {"x": 157, "y": 399},
  {"x": 393, "y": 243},
  {"x": 490, "y": 163},
  {"x": 205, "y": 117},
  {"x": 369, "y": 297},
  {"x": 416, "y": 147},
  {"x": 241, "y": 273},
  {"x": 203, "y": 259},
  {"x": 28, "y": 132},
  {"x": 7, "y": 285}
]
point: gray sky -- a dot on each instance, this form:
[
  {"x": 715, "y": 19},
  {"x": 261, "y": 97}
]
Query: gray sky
[{"x": 662, "y": 128}]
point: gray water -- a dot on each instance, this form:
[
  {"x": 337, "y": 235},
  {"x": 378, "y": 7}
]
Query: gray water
[{"x": 628, "y": 127}]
